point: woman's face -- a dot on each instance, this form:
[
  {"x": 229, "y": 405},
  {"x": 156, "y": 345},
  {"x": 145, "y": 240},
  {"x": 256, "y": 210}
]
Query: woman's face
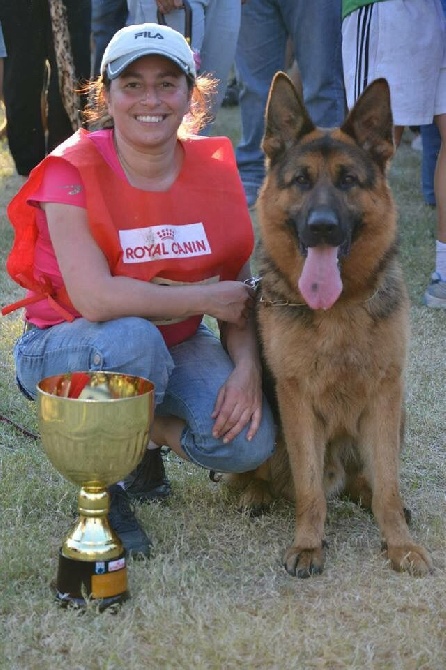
[{"x": 148, "y": 101}]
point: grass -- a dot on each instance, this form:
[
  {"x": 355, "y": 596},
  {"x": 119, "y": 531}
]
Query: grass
[{"x": 215, "y": 596}]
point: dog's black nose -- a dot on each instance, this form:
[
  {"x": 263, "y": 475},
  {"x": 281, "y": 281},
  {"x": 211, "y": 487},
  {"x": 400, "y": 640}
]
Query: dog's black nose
[{"x": 323, "y": 227}]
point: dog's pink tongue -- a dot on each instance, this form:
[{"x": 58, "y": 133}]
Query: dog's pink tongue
[{"x": 320, "y": 282}]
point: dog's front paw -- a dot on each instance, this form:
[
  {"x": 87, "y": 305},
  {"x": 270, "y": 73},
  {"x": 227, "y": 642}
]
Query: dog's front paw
[
  {"x": 303, "y": 563},
  {"x": 410, "y": 558}
]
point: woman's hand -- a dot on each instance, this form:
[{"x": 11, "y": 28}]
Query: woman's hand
[
  {"x": 166, "y": 6},
  {"x": 239, "y": 403},
  {"x": 231, "y": 302}
]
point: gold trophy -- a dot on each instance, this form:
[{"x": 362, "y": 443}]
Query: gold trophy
[{"x": 95, "y": 429}]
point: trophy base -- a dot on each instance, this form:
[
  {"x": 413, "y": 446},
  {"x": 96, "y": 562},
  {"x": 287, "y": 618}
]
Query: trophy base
[{"x": 103, "y": 582}]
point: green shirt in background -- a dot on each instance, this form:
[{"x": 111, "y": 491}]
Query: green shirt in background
[{"x": 349, "y": 6}]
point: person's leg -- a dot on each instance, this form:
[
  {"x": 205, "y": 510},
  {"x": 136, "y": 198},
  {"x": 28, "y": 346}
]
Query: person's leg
[
  {"x": 435, "y": 295},
  {"x": 431, "y": 142},
  {"x": 315, "y": 28},
  {"x": 221, "y": 28},
  {"x": 78, "y": 14},
  {"x": 23, "y": 81},
  {"x": 79, "y": 26},
  {"x": 57, "y": 120},
  {"x": 2, "y": 58},
  {"x": 107, "y": 17},
  {"x": 201, "y": 368},
  {"x": 130, "y": 345},
  {"x": 260, "y": 54}
]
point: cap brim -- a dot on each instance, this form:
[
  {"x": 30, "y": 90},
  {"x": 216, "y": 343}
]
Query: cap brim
[{"x": 117, "y": 67}]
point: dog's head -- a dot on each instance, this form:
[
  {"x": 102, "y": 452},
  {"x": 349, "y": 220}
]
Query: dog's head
[{"x": 326, "y": 189}]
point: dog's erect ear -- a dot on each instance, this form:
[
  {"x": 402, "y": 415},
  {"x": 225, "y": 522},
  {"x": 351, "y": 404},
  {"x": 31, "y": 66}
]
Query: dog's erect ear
[
  {"x": 286, "y": 118},
  {"x": 370, "y": 122}
]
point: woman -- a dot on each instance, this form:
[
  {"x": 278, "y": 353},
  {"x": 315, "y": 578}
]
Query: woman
[{"x": 140, "y": 230}]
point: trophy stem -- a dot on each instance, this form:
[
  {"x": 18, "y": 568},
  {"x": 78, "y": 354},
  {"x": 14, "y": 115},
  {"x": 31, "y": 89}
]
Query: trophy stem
[{"x": 92, "y": 563}]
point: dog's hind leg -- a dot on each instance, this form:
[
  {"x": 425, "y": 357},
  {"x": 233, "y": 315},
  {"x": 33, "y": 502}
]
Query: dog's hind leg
[{"x": 256, "y": 493}]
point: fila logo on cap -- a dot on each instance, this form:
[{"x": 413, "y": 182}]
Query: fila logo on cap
[{"x": 147, "y": 33}]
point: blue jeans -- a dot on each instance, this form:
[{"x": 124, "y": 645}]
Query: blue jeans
[
  {"x": 430, "y": 136},
  {"x": 187, "y": 378},
  {"x": 315, "y": 29},
  {"x": 215, "y": 26},
  {"x": 2, "y": 48},
  {"x": 107, "y": 17}
]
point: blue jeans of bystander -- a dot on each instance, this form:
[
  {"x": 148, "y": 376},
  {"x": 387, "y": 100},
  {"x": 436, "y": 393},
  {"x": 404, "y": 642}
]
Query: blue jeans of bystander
[
  {"x": 266, "y": 25},
  {"x": 215, "y": 26},
  {"x": 107, "y": 17},
  {"x": 430, "y": 136}
]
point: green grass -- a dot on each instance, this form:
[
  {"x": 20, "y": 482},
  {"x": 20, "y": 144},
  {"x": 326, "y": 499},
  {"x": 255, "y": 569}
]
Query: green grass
[{"x": 215, "y": 594}]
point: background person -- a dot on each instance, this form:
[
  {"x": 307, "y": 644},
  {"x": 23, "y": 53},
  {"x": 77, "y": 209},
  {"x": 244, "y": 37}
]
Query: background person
[
  {"x": 413, "y": 60},
  {"x": 107, "y": 17},
  {"x": 215, "y": 28},
  {"x": 267, "y": 28},
  {"x": 141, "y": 228},
  {"x": 36, "y": 33},
  {"x": 2, "y": 58}
]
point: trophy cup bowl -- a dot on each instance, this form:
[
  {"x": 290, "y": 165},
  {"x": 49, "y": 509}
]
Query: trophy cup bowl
[{"x": 95, "y": 428}]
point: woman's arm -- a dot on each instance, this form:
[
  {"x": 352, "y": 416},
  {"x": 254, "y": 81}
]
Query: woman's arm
[
  {"x": 99, "y": 296},
  {"x": 239, "y": 402}
]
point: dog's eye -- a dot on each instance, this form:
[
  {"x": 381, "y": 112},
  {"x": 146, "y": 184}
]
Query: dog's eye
[
  {"x": 302, "y": 180},
  {"x": 347, "y": 180}
]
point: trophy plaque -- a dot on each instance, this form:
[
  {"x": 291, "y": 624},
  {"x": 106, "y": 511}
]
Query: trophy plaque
[{"x": 95, "y": 429}]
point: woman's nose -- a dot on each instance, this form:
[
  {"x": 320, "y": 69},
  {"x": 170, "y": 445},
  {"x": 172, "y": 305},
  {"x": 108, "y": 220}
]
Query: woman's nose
[{"x": 151, "y": 96}]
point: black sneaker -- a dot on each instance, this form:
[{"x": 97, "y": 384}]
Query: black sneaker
[
  {"x": 123, "y": 521},
  {"x": 148, "y": 482}
]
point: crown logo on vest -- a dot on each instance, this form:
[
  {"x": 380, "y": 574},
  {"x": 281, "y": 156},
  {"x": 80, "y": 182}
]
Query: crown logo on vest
[{"x": 166, "y": 234}]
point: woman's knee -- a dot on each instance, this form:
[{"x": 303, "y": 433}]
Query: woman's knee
[
  {"x": 133, "y": 345},
  {"x": 130, "y": 345},
  {"x": 238, "y": 455}
]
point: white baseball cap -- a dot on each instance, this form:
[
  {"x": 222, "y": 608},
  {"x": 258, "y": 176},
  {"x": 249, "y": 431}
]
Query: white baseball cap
[{"x": 147, "y": 39}]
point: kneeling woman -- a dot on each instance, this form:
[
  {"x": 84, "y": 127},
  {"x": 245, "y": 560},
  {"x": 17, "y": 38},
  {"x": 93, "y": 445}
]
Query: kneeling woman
[{"x": 125, "y": 237}]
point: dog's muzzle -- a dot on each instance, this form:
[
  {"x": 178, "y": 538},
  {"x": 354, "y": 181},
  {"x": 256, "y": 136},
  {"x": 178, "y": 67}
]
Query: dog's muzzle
[{"x": 322, "y": 227}]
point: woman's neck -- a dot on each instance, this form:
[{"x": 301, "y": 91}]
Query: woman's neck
[{"x": 154, "y": 170}]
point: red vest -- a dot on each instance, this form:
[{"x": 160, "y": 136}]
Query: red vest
[{"x": 196, "y": 231}]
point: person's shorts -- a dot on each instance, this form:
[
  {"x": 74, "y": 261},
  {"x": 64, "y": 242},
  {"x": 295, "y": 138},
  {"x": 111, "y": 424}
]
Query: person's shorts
[{"x": 403, "y": 41}]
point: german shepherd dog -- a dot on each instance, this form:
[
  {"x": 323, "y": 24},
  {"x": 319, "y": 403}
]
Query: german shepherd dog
[{"x": 332, "y": 314}]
